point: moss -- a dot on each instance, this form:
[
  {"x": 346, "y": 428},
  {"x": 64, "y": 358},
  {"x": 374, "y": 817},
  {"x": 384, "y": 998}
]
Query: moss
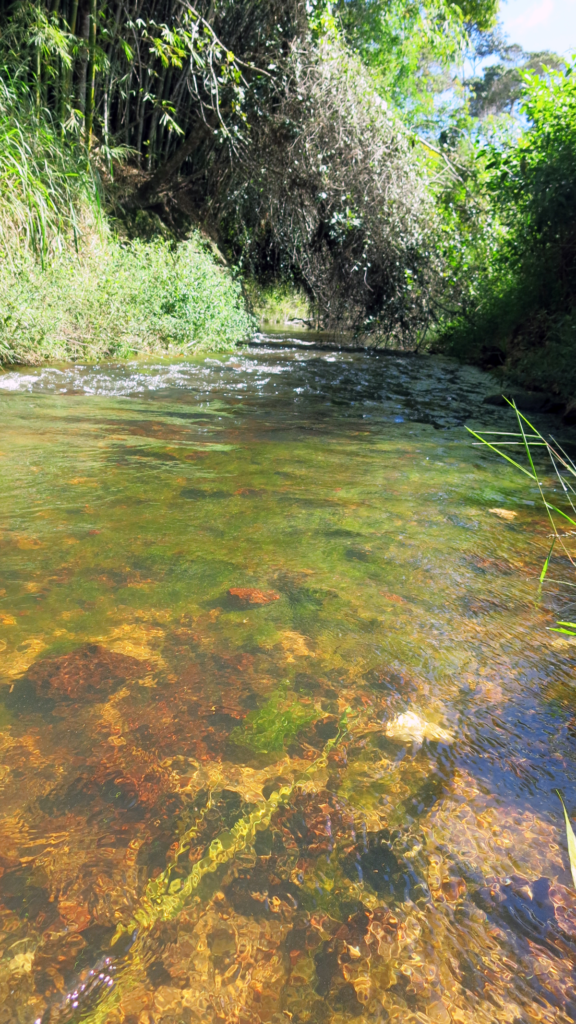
[{"x": 272, "y": 727}]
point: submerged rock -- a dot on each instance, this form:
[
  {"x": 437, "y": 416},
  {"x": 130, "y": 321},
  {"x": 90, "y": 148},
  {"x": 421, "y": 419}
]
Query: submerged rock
[
  {"x": 90, "y": 670},
  {"x": 243, "y": 596},
  {"x": 410, "y": 728}
]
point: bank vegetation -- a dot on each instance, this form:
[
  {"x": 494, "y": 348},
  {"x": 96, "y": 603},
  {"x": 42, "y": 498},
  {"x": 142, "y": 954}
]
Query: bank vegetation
[{"x": 167, "y": 169}]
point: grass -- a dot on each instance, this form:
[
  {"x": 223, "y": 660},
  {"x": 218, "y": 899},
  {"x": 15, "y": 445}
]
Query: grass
[
  {"x": 524, "y": 441},
  {"x": 47, "y": 185},
  {"x": 117, "y": 300},
  {"x": 278, "y": 304}
]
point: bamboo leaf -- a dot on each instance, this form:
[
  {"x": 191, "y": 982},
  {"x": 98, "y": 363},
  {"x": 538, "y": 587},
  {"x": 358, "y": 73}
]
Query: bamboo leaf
[{"x": 571, "y": 838}]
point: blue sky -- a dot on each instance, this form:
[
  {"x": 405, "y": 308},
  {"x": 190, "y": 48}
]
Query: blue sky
[{"x": 541, "y": 24}]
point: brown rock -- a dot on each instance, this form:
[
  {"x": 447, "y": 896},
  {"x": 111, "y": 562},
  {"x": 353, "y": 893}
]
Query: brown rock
[{"x": 89, "y": 670}]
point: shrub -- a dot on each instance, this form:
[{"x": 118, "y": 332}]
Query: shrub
[
  {"x": 116, "y": 299},
  {"x": 524, "y": 311}
]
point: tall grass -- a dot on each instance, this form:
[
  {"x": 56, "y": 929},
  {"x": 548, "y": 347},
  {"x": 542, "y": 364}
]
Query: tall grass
[
  {"x": 525, "y": 441},
  {"x": 48, "y": 190},
  {"x": 116, "y": 299}
]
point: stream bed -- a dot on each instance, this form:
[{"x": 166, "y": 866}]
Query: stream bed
[{"x": 281, "y": 713}]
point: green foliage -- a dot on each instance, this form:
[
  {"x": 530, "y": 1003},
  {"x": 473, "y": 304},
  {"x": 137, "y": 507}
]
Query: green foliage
[
  {"x": 480, "y": 13},
  {"x": 522, "y": 307},
  {"x": 47, "y": 189},
  {"x": 533, "y": 181},
  {"x": 116, "y": 300},
  {"x": 334, "y": 196},
  {"x": 278, "y": 304},
  {"x": 501, "y": 86},
  {"x": 410, "y": 47},
  {"x": 272, "y": 727}
]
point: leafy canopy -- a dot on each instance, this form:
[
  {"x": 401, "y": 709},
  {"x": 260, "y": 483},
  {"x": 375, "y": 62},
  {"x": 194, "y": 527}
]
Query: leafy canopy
[{"x": 412, "y": 46}]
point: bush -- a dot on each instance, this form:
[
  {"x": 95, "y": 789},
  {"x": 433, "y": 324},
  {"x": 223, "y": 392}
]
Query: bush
[
  {"x": 525, "y": 313},
  {"x": 67, "y": 288},
  {"x": 115, "y": 300}
]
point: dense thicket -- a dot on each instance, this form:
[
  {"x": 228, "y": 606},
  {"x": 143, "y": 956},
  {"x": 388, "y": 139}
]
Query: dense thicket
[
  {"x": 333, "y": 191},
  {"x": 68, "y": 287},
  {"x": 332, "y": 146}
]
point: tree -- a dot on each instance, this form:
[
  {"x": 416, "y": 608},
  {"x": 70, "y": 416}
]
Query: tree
[{"x": 412, "y": 47}]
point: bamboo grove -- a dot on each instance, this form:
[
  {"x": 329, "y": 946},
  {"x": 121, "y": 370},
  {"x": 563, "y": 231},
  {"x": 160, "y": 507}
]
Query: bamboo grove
[{"x": 140, "y": 75}]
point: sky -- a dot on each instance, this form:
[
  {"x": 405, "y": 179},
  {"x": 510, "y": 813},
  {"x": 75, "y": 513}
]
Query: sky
[{"x": 541, "y": 24}]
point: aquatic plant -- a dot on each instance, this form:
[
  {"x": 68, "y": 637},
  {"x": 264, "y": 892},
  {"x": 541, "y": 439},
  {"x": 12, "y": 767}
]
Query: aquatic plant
[
  {"x": 166, "y": 896},
  {"x": 274, "y": 725}
]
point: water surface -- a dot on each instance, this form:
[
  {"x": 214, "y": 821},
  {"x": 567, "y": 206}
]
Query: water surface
[{"x": 223, "y": 583}]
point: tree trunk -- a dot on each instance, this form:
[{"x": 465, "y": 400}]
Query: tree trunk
[{"x": 154, "y": 121}]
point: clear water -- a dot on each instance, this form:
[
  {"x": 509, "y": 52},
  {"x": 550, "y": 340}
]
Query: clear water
[{"x": 223, "y": 585}]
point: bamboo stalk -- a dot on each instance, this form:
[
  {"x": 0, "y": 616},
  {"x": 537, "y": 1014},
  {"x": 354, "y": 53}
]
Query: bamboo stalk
[
  {"x": 38, "y": 81},
  {"x": 84, "y": 35},
  {"x": 66, "y": 93},
  {"x": 91, "y": 76}
]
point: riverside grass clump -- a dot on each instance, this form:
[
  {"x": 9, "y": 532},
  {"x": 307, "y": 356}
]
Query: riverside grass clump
[{"x": 115, "y": 300}]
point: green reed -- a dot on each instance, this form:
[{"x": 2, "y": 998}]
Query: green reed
[{"x": 528, "y": 438}]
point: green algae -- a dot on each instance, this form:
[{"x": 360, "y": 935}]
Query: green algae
[{"x": 270, "y": 729}]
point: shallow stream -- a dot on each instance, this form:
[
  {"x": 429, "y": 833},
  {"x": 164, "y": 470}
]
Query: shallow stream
[{"x": 281, "y": 713}]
